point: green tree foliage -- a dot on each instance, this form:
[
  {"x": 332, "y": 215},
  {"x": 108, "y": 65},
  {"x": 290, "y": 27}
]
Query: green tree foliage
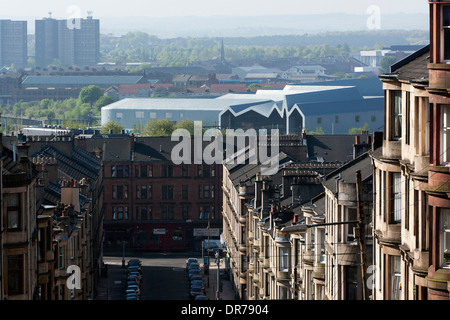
[
  {"x": 365, "y": 127},
  {"x": 103, "y": 101},
  {"x": 386, "y": 63},
  {"x": 90, "y": 94},
  {"x": 185, "y": 124},
  {"x": 111, "y": 125},
  {"x": 161, "y": 127},
  {"x": 318, "y": 131}
]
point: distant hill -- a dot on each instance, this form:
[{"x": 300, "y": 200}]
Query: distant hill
[{"x": 225, "y": 26}]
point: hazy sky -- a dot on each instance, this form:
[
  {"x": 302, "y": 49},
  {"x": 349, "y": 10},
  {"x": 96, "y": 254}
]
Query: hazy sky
[{"x": 166, "y": 8}]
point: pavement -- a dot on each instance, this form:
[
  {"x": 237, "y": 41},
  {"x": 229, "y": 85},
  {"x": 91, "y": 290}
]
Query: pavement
[
  {"x": 210, "y": 280},
  {"x": 110, "y": 287}
]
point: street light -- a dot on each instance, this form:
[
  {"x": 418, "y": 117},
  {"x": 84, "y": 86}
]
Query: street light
[{"x": 218, "y": 274}]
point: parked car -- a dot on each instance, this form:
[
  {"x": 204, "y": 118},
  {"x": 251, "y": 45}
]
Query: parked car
[
  {"x": 135, "y": 273},
  {"x": 134, "y": 262},
  {"x": 201, "y": 297},
  {"x": 189, "y": 261},
  {"x": 194, "y": 266},
  {"x": 134, "y": 287},
  {"x": 132, "y": 297},
  {"x": 193, "y": 273},
  {"x": 133, "y": 290},
  {"x": 196, "y": 277},
  {"x": 134, "y": 268},
  {"x": 197, "y": 283},
  {"x": 132, "y": 283},
  {"x": 134, "y": 277},
  {"x": 196, "y": 292}
]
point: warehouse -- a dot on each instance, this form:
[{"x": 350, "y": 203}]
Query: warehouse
[{"x": 335, "y": 109}]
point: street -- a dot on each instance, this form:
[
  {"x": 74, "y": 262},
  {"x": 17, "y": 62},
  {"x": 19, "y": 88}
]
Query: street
[{"x": 164, "y": 277}]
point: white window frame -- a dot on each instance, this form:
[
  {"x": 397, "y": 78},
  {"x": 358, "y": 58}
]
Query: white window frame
[
  {"x": 139, "y": 114},
  {"x": 396, "y": 197},
  {"x": 395, "y": 114},
  {"x": 284, "y": 259},
  {"x": 396, "y": 293},
  {"x": 445, "y": 238},
  {"x": 443, "y": 27},
  {"x": 445, "y": 135},
  {"x": 350, "y": 235}
]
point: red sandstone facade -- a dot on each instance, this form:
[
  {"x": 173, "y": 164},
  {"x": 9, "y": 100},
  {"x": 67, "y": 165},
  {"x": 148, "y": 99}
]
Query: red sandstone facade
[{"x": 439, "y": 170}]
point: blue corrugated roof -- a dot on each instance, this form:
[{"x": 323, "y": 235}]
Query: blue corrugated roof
[{"x": 348, "y": 106}]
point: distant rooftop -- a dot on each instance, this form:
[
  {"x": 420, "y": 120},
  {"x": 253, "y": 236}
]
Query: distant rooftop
[{"x": 79, "y": 81}]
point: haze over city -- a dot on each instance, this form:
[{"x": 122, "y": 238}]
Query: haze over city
[
  {"x": 247, "y": 151},
  {"x": 201, "y": 18}
]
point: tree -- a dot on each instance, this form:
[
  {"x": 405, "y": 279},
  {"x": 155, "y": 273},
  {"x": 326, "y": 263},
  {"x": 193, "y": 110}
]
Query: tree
[
  {"x": 386, "y": 63},
  {"x": 111, "y": 125},
  {"x": 185, "y": 124},
  {"x": 90, "y": 94},
  {"x": 103, "y": 101},
  {"x": 162, "y": 127},
  {"x": 253, "y": 85},
  {"x": 366, "y": 127},
  {"x": 318, "y": 131}
]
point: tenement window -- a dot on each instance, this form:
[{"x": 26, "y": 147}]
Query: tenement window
[
  {"x": 445, "y": 135},
  {"x": 396, "y": 105},
  {"x": 446, "y": 33},
  {"x": 445, "y": 237}
]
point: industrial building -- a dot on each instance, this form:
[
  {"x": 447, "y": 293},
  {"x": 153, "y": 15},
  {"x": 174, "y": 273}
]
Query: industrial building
[{"x": 335, "y": 109}]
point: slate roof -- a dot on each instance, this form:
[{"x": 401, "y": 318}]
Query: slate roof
[
  {"x": 330, "y": 148},
  {"x": 78, "y": 81},
  {"x": 247, "y": 172},
  {"x": 232, "y": 87},
  {"x": 348, "y": 172},
  {"x": 116, "y": 149},
  {"x": 413, "y": 68},
  {"x": 77, "y": 166}
]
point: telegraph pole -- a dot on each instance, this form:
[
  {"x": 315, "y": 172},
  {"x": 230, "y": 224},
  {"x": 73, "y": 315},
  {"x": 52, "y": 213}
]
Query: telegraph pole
[{"x": 362, "y": 236}]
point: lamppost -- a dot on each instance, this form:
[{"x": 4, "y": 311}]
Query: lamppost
[{"x": 218, "y": 274}]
